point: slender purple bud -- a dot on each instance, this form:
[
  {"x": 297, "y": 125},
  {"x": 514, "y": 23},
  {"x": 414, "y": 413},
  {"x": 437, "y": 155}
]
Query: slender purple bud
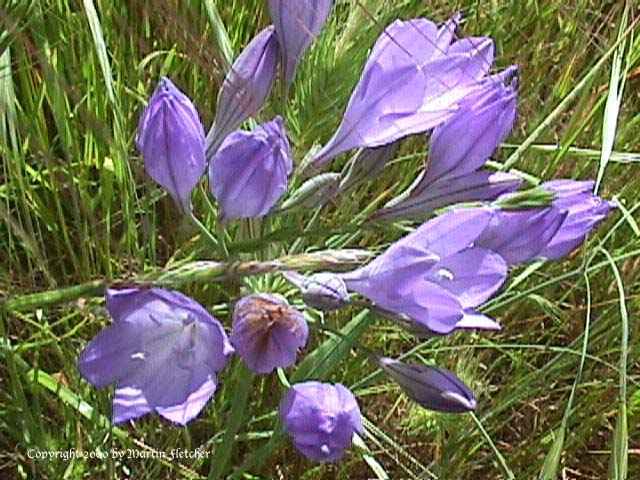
[
  {"x": 246, "y": 87},
  {"x": 297, "y": 24},
  {"x": 431, "y": 387},
  {"x": 170, "y": 138},
  {"x": 248, "y": 174},
  {"x": 321, "y": 419},
  {"x": 267, "y": 332}
]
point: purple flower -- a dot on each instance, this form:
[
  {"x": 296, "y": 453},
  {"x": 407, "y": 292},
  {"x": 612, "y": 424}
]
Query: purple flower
[
  {"x": 162, "y": 353},
  {"x": 267, "y": 332},
  {"x": 584, "y": 211},
  {"x": 246, "y": 87},
  {"x": 436, "y": 275},
  {"x": 459, "y": 147},
  {"x": 297, "y": 23},
  {"x": 170, "y": 138},
  {"x": 321, "y": 418},
  {"x": 408, "y": 86},
  {"x": 465, "y": 142},
  {"x": 551, "y": 232},
  {"x": 249, "y": 172},
  {"x": 519, "y": 236},
  {"x": 432, "y": 387}
]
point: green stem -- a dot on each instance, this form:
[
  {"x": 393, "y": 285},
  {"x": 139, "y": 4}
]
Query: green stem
[
  {"x": 239, "y": 403},
  {"x": 203, "y": 230}
]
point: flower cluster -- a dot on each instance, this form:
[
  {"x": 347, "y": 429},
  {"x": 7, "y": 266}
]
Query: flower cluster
[{"x": 164, "y": 351}]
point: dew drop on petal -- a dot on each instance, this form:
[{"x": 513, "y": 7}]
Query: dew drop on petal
[{"x": 445, "y": 274}]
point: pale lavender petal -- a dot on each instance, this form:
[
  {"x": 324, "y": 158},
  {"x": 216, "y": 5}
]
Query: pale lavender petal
[
  {"x": 128, "y": 404},
  {"x": 249, "y": 172},
  {"x": 520, "y": 236},
  {"x": 297, "y": 23},
  {"x": 195, "y": 402},
  {"x": 472, "y": 275}
]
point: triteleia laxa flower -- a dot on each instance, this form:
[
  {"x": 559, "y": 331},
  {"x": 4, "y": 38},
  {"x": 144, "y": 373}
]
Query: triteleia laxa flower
[
  {"x": 519, "y": 236},
  {"x": 431, "y": 387},
  {"x": 584, "y": 211},
  {"x": 170, "y": 138},
  {"x": 267, "y": 332},
  {"x": 459, "y": 147},
  {"x": 246, "y": 87},
  {"x": 407, "y": 86},
  {"x": 436, "y": 275},
  {"x": 162, "y": 353},
  {"x": 297, "y": 24},
  {"x": 249, "y": 172},
  {"x": 321, "y": 419}
]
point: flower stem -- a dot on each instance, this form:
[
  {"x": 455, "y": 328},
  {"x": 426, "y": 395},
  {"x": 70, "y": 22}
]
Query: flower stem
[
  {"x": 203, "y": 230},
  {"x": 240, "y": 396}
]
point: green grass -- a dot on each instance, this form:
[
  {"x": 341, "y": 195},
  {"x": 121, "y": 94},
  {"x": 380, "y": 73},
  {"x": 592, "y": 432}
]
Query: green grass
[{"x": 558, "y": 388}]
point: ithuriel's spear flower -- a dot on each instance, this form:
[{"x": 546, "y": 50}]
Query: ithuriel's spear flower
[
  {"x": 408, "y": 86},
  {"x": 170, "y": 138},
  {"x": 436, "y": 275},
  {"x": 552, "y": 232},
  {"x": 246, "y": 87},
  {"x": 584, "y": 211},
  {"x": 249, "y": 172},
  {"x": 162, "y": 353},
  {"x": 297, "y": 24},
  {"x": 267, "y": 332},
  {"x": 321, "y": 419},
  {"x": 459, "y": 147},
  {"x": 431, "y": 387}
]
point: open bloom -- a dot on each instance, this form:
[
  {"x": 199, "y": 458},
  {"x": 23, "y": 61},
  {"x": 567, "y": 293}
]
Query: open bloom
[
  {"x": 246, "y": 87},
  {"x": 321, "y": 418},
  {"x": 267, "y": 332},
  {"x": 162, "y": 353},
  {"x": 170, "y": 138},
  {"x": 249, "y": 172},
  {"x": 431, "y": 387},
  {"x": 436, "y": 275},
  {"x": 411, "y": 83},
  {"x": 297, "y": 24}
]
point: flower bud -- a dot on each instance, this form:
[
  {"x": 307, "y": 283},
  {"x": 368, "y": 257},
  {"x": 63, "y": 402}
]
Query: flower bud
[
  {"x": 321, "y": 418},
  {"x": 313, "y": 193},
  {"x": 583, "y": 209},
  {"x": 365, "y": 165},
  {"x": 246, "y": 87},
  {"x": 170, "y": 138},
  {"x": 267, "y": 332},
  {"x": 432, "y": 387},
  {"x": 324, "y": 291},
  {"x": 249, "y": 172},
  {"x": 297, "y": 23}
]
